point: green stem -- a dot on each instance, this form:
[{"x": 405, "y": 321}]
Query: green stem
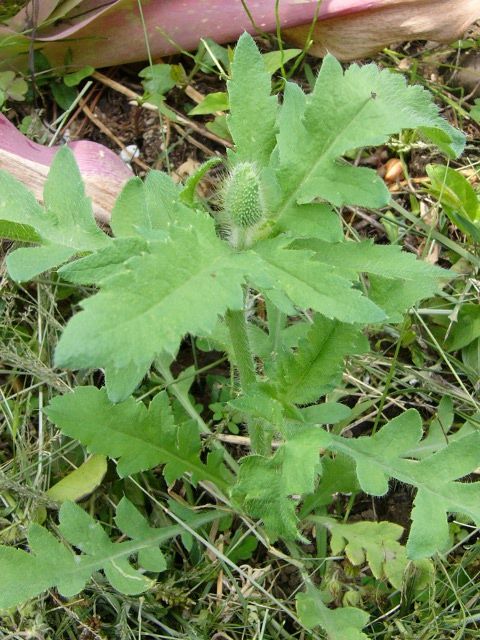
[
  {"x": 389, "y": 378},
  {"x": 187, "y": 404},
  {"x": 237, "y": 326},
  {"x": 276, "y": 324},
  {"x": 321, "y": 541}
]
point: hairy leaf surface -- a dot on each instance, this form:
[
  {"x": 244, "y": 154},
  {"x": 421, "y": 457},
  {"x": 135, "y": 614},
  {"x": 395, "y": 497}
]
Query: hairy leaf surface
[
  {"x": 50, "y": 563},
  {"x": 252, "y": 113},
  {"x": 345, "y": 623},
  {"x": 385, "y": 455},
  {"x": 389, "y": 261},
  {"x": 65, "y": 224},
  {"x": 172, "y": 288},
  {"x": 138, "y": 437},
  {"x": 317, "y": 365},
  {"x": 377, "y": 458},
  {"x": 153, "y": 204},
  {"x": 269, "y": 488},
  {"x": 292, "y": 276},
  {"x": 97, "y": 267},
  {"x": 360, "y": 107}
]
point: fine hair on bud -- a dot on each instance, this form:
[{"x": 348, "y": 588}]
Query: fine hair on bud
[{"x": 242, "y": 201}]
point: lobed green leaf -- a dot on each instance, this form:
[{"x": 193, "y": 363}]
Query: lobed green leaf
[
  {"x": 360, "y": 107},
  {"x": 51, "y": 563},
  {"x": 316, "y": 366},
  {"x": 344, "y": 623},
  {"x": 139, "y": 437},
  {"x": 253, "y": 111},
  {"x": 152, "y": 300},
  {"x": 66, "y": 225},
  {"x": 386, "y": 455}
]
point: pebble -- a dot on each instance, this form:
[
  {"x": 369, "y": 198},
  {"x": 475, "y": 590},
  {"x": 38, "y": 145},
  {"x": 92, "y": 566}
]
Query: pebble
[{"x": 130, "y": 152}]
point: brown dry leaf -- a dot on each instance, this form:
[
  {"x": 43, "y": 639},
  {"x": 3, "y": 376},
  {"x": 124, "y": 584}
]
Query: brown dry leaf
[
  {"x": 187, "y": 168},
  {"x": 428, "y": 214},
  {"x": 470, "y": 174},
  {"x": 433, "y": 253},
  {"x": 393, "y": 170}
]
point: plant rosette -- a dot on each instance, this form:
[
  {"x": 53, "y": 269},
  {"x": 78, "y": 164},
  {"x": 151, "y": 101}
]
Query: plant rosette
[{"x": 172, "y": 268}]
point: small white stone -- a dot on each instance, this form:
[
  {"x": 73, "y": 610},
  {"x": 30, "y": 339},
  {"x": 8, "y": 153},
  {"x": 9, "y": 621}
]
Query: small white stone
[{"x": 129, "y": 153}]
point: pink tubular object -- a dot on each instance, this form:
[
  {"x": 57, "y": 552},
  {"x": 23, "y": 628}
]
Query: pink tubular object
[
  {"x": 364, "y": 32},
  {"x": 102, "y": 33},
  {"x": 103, "y": 171}
]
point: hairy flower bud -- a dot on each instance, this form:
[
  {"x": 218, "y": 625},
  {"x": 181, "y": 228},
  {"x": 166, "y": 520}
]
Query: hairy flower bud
[{"x": 242, "y": 198}]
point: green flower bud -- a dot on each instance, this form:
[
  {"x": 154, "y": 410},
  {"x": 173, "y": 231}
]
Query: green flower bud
[{"x": 241, "y": 197}]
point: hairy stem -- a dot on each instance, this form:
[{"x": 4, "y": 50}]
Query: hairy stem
[
  {"x": 237, "y": 326},
  {"x": 277, "y": 321},
  {"x": 187, "y": 404}
]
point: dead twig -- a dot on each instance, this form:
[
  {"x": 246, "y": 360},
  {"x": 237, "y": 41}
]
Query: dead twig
[
  {"x": 104, "y": 129},
  {"x": 181, "y": 119}
]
